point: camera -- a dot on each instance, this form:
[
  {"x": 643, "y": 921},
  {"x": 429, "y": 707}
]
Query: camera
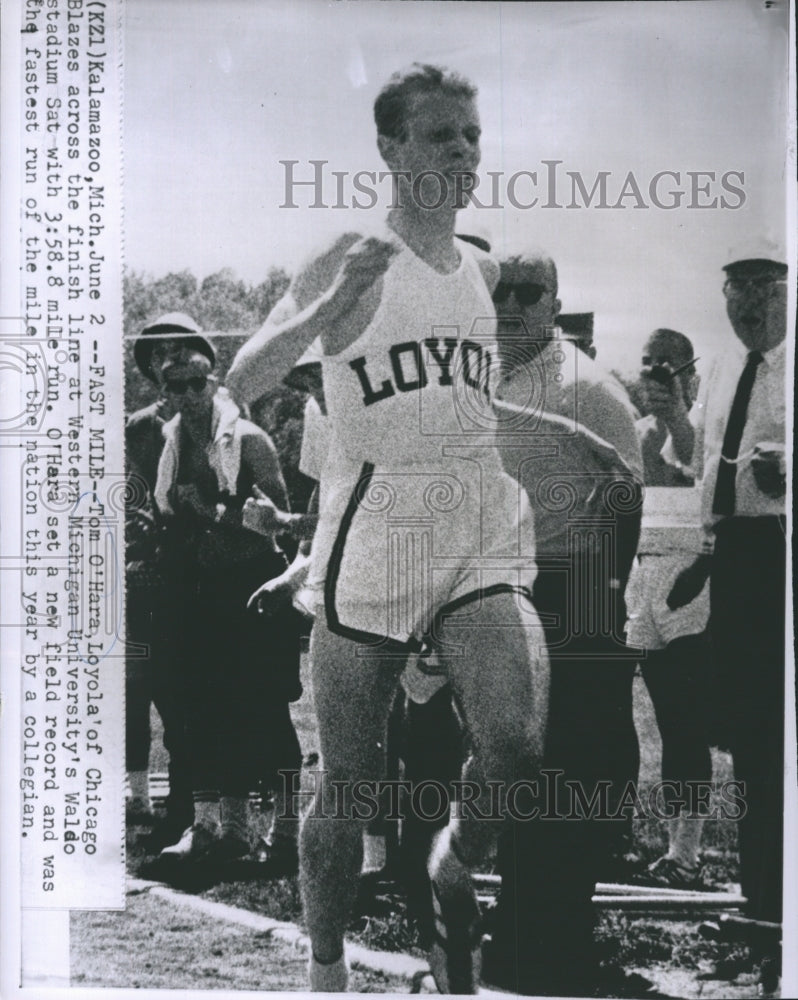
[{"x": 659, "y": 373}]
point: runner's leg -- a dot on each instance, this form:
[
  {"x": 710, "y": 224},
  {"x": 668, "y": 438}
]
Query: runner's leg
[
  {"x": 499, "y": 674},
  {"x": 500, "y": 678},
  {"x": 352, "y": 695}
]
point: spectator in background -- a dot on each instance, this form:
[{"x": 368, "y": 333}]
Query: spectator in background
[
  {"x": 667, "y": 401},
  {"x": 578, "y": 458},
  {"x": 281, "y": 597},
  {"x": 149, "y": 666},
  {"x": 675, "y": 666},
  {"x": 233, "y": 661},
  {"x": 736, "y": 441}
]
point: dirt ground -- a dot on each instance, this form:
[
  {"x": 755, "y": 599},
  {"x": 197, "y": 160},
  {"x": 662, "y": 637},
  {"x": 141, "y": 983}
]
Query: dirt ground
[
  {"x": 170, "y": 947},
  {"x": 159, "y": 944},
  {"x": 167, "y": 945}
]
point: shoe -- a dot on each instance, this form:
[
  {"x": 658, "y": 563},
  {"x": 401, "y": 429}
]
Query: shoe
[
  {"x": 197, "y": 844},
  {"x": 230, "y": 847},
  {"x": 455, "y": 954},
  {"x": 666, "y": 873},
  {"x": 167, "y": 832}
]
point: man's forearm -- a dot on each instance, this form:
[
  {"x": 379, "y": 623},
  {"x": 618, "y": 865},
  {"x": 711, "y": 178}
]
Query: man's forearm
[
  {"x": 265, "y": 360},
  {"x": 683, "y": 438}
]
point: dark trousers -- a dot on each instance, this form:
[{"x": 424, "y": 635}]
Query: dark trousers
[
  {"x": 747, "y": 623},
  {"x": 152, "y": 677},
  {"x": 234, "y": 670},
  {"x": 677, "y": 681},
  {"x": 543, "y": 931}
]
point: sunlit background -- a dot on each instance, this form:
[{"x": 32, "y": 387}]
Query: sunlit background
[{"x": 217, "y": 93}]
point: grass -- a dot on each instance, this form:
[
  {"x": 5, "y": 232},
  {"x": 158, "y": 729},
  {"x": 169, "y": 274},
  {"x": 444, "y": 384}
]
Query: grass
[{"x": 170, "y": 948}]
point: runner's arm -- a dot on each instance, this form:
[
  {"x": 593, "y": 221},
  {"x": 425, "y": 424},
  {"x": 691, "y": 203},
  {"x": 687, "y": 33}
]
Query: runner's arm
[
  {"x": 324, "y": 295},
  {"x": 291, "y": 327},
  {"x": 552, "y": 425}
]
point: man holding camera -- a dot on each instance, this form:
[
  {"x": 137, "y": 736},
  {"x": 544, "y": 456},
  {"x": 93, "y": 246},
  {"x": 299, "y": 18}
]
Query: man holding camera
[{"x": 675, "y": 666}]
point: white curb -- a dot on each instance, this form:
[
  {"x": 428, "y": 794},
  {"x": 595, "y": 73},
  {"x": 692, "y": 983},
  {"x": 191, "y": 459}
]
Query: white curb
[{"x": 387, "y": 963}]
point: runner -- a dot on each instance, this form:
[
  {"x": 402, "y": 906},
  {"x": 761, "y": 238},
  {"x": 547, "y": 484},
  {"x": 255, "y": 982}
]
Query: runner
[{"x": 421, "y": 533}]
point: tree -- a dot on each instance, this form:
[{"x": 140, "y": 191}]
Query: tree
[{"x": 145, "y": 298}]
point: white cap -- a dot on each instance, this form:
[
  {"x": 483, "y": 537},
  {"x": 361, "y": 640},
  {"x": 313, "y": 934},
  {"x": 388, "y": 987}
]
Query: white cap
[{"x": 757, "y": 248}]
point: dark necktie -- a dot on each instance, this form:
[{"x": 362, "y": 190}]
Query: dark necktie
[{"x": 723, "y": 503}]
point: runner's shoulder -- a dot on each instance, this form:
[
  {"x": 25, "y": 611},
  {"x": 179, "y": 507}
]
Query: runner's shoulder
[{"x": 487, "y": 263}]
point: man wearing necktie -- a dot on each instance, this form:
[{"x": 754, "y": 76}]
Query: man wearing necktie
[{"x": 739, "y": 446}]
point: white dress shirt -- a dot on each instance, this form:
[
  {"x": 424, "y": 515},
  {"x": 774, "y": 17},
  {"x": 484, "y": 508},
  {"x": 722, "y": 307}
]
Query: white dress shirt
[{"x": 765, "y": 422}]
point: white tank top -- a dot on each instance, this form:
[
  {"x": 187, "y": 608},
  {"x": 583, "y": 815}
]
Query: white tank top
[{"x": 421, "y": 374}]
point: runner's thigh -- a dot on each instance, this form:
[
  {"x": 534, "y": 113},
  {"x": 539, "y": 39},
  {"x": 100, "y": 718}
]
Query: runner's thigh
[
  {"x": 353, "y": 689},
  {"x": 495, "y": 655}
]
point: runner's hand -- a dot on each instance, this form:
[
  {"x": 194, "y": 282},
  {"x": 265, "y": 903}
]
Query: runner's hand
[
  {"x": 362, "y": 266},
  {"x": 273, "y": 595}
]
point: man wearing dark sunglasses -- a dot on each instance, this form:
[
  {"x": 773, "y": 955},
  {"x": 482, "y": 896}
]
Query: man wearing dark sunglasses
[
  {"x": 149, "y": 674},
  {"x": 527, "y": 290},
  {"x": 180, "y": 386},
  {"x": 550, "y": 867},
  {"x": 237, "y": 714}
]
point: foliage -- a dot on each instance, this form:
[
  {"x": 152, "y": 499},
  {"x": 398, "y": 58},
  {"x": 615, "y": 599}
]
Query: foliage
[{"x": 220, "y": 302}]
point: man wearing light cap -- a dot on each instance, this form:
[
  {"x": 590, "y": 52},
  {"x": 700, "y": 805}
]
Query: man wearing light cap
[
  {"x": 150, "y": 676},
  {"x": 739, "y": 450},
  {"x": 231, "y": 663}
]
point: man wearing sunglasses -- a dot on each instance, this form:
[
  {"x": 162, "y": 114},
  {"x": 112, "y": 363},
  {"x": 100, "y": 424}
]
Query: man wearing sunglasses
[
  {"x": 150, "y": 675},
  {"x": 578, "y": 458},
  {"x": 740, "y": 454},
  {"x": 238, "y": 719}
]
